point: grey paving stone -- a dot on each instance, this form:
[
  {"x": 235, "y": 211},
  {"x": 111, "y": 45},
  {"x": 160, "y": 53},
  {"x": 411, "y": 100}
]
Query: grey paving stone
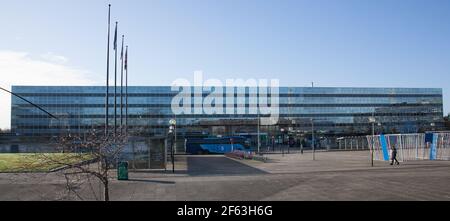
[{"x": 333, "y": 176}]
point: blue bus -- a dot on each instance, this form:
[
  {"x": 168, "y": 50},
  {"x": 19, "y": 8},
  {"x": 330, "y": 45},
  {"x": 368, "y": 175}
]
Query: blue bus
[{"x": 216, "y": 145}]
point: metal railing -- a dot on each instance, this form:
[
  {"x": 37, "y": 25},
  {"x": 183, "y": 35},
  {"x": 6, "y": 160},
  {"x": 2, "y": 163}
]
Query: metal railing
[{"x": 420, "y": 146}]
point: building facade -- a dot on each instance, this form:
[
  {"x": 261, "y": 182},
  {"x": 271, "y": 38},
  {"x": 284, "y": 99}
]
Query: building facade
[{"x": 333, "y": 111}]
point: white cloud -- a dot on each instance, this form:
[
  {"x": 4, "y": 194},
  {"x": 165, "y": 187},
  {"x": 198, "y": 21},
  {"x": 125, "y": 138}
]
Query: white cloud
[
  {"x": 20, "y": 68},
  {"x": 49, "y": 56}
]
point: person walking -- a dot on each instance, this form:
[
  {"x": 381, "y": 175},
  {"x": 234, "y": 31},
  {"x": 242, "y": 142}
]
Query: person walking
[
  {"x": 394, "y": 155},
  {"x": 302, "y": 144},
  {"x": 301, "y": 148},
  {"x": 273, "y": 143}
]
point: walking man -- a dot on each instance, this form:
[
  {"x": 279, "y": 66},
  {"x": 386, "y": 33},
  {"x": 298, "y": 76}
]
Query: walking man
[
  {"x": 301, "y": 145},
  {"x": 394, "y": 156},
  {"x": 273, "y": 143}
]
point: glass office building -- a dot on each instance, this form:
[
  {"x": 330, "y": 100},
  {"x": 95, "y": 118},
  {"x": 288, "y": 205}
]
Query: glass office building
[{"x": 333, "y": 111}]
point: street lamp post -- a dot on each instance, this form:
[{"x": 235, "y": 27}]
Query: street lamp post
[
  {"x": 172, "y": 132},
  {"x": 282, "y": 141},
  {"x": 372, "y": 120},
  {"x": 258, "y": 134},
  {"x": 373, "y": 143},
  {"x": 290, "y": 133},
  {"x": 175, "y": 130},
  {"x": 301, "y": 141},
  {"x": 312, "y": 131},
  {"x": 313, "y": 140}
]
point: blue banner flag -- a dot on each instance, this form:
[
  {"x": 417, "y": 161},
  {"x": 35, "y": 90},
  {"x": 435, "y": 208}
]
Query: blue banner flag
[
  {"x": 433, "y": 149},
  {"x": 384, "y": 146}
]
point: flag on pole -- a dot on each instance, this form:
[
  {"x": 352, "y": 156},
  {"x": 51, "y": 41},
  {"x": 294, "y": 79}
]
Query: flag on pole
[
  {"x": 121, "y": 52},
  {"x": 115, "y": 38},
  {"x": 126, "y": 59}
]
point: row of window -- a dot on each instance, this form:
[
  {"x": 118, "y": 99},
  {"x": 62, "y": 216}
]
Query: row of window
[
  {"x": 235, "y": 105},
  {"x": 236, "y": 115},
  {"x": 285, "y": 100},
  {"x": 317, "y": 124},
  {"x": 224, "y": 95}
]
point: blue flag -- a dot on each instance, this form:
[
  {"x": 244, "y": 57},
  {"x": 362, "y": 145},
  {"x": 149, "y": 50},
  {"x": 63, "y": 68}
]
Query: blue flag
[
  {"x": 115, "y": 38},
  {"x": 121, "y": 52},
  {"x": 126, "y": 58}
]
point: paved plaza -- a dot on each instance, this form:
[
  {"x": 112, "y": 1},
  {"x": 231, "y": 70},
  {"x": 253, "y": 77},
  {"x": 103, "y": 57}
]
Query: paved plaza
[{"x": 332, "y": 176}]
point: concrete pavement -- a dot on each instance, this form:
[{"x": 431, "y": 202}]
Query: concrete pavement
[{"x": 333, "y": 176}]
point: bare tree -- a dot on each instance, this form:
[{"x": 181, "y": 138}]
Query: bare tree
[{"x": 82, "y": 158}]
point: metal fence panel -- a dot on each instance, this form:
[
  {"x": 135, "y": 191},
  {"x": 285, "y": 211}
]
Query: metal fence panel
[{"x": 412, "y": 146}]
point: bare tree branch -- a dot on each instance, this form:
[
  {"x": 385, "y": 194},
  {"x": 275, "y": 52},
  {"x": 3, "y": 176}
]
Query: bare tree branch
[{"x": 81, "y": 158}]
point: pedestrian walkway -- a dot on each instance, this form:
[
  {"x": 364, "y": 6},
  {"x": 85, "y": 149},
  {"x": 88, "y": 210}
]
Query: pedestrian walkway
[{"x": 332, "y": 176}]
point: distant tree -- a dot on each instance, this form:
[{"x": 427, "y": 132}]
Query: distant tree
[
  {"x": 5, "y": 130},
  {"x": 394, "y": 130},
  {"x": 368, "y": 130},
  {"x": 447, "y": 121},
  {"x": 351, "y": 130}
]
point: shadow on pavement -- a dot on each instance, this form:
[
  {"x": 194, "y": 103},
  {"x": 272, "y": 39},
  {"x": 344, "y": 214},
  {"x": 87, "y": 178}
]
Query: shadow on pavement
[
  {"x": 152, "y": 181},
  {"x": 201, "y": 165}
]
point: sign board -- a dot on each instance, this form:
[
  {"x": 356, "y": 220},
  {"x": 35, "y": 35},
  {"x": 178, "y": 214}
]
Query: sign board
[{"x": 157, "y": 153}]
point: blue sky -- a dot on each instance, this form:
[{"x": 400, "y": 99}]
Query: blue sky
[{"x": 376, "y": 43}]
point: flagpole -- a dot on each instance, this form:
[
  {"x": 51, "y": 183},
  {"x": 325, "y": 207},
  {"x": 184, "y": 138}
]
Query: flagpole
[
  {"x": 107, "y": 74},
  {"x": 115, "y": 82},
  {"x": 121, "y": 86},
  {"x": 126, "y": 90}
]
